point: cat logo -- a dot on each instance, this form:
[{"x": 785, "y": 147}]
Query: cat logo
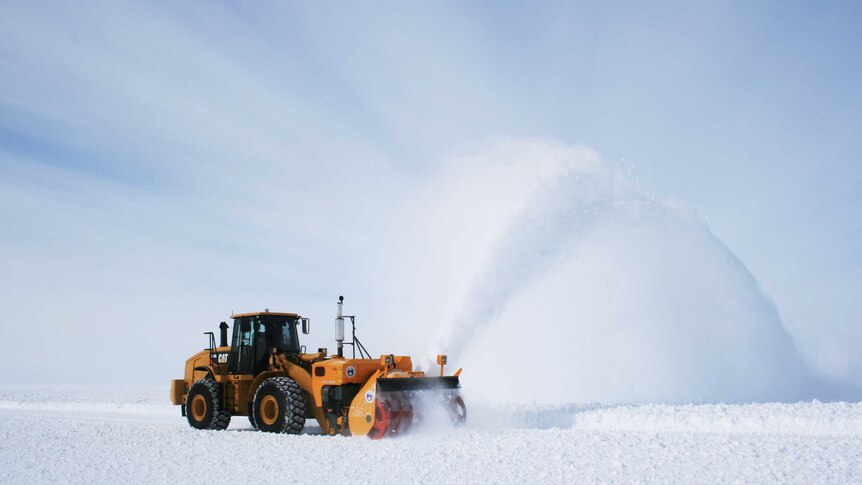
[
  {"x": 351, "y": 371},
  {"x": 222, "y": 358}
]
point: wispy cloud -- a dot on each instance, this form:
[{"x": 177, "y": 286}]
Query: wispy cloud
[{"x": 162, "y": 164}]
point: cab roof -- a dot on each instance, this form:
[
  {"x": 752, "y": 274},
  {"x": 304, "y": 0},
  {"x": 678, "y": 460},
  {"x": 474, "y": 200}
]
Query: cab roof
[{"x": 254, "y": 314}]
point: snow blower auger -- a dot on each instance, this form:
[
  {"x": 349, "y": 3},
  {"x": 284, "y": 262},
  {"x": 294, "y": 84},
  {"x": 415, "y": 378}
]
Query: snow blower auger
[{"x": 266, "y": 375}]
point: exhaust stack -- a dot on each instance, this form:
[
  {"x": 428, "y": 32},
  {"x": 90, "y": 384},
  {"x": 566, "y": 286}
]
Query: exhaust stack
[
  {"x": 339, "y": 328},
  {"x": 223, "y": 328}
]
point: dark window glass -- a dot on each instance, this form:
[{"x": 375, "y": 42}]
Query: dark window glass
[
  {"x": 282, "y": 333},
  {"x": 245, "y": 331}
]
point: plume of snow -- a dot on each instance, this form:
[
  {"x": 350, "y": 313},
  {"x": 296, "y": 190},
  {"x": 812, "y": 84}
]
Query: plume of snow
[{"x": 550, "y": 276}]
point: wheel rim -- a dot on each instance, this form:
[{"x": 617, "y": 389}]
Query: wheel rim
[
  {"x": 199, "y": 408},
  {"x": 269, "y": 410}
]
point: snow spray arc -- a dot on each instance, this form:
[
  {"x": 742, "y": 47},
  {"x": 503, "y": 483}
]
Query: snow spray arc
[{"x": 534, "y": 247}]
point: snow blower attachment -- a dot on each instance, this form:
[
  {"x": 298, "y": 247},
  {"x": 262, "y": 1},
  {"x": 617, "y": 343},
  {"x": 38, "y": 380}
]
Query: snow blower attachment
[{"x": 266, "y": 375}]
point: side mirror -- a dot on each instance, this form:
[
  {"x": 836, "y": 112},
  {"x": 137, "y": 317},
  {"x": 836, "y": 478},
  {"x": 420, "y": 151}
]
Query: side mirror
[{"x": 306, "y": 324}]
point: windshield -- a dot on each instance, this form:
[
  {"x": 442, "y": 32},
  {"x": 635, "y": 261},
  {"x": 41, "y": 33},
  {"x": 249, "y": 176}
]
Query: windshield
[{"x": 281, "y": 333}]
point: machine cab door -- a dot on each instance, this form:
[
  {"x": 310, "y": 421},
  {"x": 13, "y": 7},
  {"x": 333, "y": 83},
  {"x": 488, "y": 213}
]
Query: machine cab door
[{"x": 249, "y": 347}]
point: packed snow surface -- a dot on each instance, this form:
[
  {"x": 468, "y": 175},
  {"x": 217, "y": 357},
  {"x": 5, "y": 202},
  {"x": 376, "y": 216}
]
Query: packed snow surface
[{"x": 94, "y": 435}]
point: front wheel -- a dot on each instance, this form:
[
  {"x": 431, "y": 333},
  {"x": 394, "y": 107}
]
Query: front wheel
[
  {"x": 204, "y": 408},
  {"x": 279, "y": 406}
]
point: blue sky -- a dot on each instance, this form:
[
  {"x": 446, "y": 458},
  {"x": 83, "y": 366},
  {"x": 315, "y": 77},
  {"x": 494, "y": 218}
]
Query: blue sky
[{"x": 167, "y": 163}]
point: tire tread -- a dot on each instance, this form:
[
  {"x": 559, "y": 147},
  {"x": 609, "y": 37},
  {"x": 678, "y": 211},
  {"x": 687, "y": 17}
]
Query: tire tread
[
  {"x": 212, "y": 391},
  {"x": 294, "y": 417}
]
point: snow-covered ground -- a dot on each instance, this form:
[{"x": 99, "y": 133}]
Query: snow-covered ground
[{"x": 95, "y": 435}]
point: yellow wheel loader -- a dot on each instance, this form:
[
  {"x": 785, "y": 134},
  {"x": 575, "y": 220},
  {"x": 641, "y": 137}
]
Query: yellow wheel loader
[{"x": 266, "y": 374}]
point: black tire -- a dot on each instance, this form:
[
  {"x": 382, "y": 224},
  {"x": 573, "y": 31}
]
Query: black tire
[
  {"x": 279, "y": 406},
  {"x": 251, "y": 415},
  {"x": 204, "y": 407}
]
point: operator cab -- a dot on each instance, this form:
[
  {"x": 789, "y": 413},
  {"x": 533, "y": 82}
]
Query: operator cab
[{"x": 256, "y": 334}]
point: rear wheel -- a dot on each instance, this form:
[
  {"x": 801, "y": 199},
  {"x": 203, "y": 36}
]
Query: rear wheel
[
  {"x": 279, "y": 406},
  {"x": 204, "y": 407}
]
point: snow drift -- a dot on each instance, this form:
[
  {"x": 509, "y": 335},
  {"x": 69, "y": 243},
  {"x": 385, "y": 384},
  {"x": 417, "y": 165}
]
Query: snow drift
[
  {"x": 552, "y": 277},
  {"x": 66, "y": 434}
]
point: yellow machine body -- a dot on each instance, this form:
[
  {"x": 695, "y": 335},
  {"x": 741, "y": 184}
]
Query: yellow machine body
[{"x": 344, "y": 395}]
